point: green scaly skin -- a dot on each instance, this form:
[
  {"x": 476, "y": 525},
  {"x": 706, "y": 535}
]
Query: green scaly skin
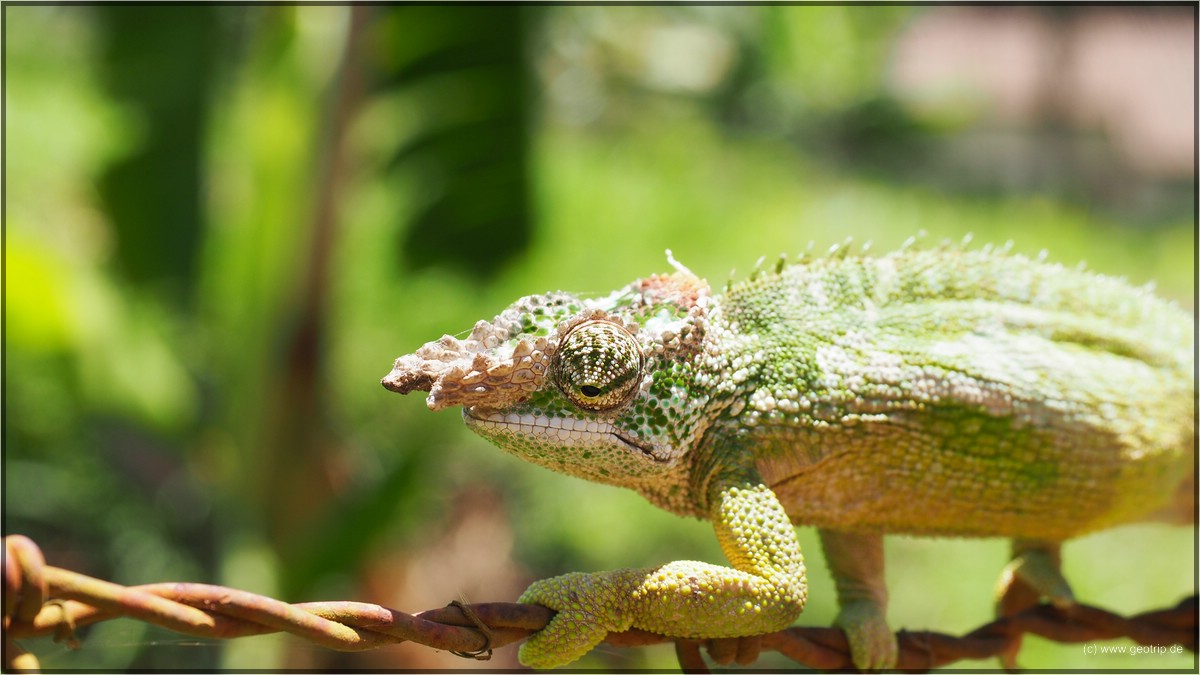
[{"x": 940, "y": 392}]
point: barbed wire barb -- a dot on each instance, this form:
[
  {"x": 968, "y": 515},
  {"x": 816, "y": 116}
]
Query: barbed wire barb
[{"x": 43, "y": 600}]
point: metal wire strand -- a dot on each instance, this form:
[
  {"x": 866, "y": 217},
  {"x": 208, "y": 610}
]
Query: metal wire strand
[{"x": 44, "y": 600}]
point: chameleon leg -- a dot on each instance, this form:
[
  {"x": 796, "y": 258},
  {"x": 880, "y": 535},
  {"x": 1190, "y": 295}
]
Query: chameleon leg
[
  {"x": 763, "y": 592},
  {"x": 1034, "y": 573},
  {"x": 856, "y": 562}
]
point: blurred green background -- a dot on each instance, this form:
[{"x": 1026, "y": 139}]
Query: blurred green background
[{"x": 223, "y": 223}]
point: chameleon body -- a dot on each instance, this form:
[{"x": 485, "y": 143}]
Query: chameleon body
[{"x": 943, "y": 391}]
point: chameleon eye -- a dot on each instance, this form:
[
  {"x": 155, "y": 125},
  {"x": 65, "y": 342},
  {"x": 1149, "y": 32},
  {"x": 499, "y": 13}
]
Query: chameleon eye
[{"x": 598, "y": 365}]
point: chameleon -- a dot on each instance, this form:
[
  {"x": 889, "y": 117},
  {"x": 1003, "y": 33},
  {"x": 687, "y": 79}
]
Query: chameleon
[{"x": 933, "y": 391}]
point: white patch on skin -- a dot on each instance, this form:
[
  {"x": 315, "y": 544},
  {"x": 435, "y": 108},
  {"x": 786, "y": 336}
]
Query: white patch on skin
[{"x": 816, "y": 295}]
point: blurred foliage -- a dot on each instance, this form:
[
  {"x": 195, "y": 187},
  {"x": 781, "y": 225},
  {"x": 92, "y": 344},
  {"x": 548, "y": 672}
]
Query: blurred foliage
[
  {"x": 224, "y": 222},
  {"x": 465, "y": 71},
  {"x": 153, "y": 195}
]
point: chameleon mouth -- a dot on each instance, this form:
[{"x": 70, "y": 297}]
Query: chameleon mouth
[
  {"x": 565, "y": 431},
  {"x": 638, "y": 446}
]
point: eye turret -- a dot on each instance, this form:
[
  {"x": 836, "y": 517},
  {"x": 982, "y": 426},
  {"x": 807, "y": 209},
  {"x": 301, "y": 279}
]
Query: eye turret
[{"x": 598, "y": 365}]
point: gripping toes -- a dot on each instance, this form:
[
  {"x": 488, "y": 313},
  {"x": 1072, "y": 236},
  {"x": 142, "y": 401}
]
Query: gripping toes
[
  {"x": 568, "y": 636},
  {"x": 1034, "y": 573},
  {"x": 587, "y": 610},
  {"x": 872, "y": 643}
]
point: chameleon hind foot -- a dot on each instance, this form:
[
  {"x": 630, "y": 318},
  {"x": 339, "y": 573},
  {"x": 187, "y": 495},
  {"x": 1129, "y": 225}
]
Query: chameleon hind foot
[{"x": 1033, "y": 574}]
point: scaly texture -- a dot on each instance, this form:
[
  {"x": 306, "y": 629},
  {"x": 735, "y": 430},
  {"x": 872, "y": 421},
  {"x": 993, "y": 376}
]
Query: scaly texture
[{"x": 938, "y": 392}]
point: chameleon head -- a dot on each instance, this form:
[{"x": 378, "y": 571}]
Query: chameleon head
[{"x": 599, "y": 389}]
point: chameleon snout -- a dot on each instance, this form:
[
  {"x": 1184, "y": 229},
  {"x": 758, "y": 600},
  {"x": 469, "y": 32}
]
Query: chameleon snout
[{"x": 404, "y": 378}]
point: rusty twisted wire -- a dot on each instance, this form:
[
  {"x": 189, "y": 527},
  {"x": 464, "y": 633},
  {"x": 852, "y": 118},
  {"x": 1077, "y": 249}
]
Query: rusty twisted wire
[{"x": 44, "y": 600}]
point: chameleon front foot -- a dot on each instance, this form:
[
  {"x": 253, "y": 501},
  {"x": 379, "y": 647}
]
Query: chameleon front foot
[
  {"x": 587, "y": 610},
  {"x": 872, "y": 643},
  {"x": 856, "y": 563},
  {"x": 740, "y": 650},
  {"x": 568, "y": 636},
  {"x": 762, "y": 593}
]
